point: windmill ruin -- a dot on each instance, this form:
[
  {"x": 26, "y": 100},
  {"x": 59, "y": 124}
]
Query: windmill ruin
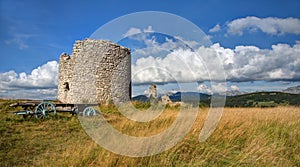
[{"x": 98, "y": 71}]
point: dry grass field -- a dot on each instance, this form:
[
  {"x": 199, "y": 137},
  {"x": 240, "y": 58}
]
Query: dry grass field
[{"x": 244, "y": 137}]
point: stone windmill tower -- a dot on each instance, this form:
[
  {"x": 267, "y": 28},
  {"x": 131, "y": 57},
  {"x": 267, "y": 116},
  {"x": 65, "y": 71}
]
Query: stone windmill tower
[{"x": 98, "y": 71}]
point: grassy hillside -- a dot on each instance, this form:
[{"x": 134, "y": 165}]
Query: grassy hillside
[
  {"x": 263, "y": 99},
  {"x": 244, "y": 137}
]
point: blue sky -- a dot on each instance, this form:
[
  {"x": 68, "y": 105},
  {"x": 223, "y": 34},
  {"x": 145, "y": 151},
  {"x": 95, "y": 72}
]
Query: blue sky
[{"x": 34, "y": 33}]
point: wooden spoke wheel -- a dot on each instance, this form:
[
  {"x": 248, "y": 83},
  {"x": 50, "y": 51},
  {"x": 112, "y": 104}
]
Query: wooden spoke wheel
[
  {"x": 44, "y": 109},
  {"x": 89, "y": 112}
]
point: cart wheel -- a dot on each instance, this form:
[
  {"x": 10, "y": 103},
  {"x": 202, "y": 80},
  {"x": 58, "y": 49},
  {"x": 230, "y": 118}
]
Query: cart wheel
[
  {"x": 89, "y": 112},
  {"x": 44, "y": 109}
]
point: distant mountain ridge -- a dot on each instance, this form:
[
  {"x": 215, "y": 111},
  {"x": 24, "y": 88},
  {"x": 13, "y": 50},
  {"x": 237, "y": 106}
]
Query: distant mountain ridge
[
  {"x": 189, "y": 95},
  {"x": 140, "y": 98},
  {"x": 175, "y": 97},
  {"x": 293, "y": 90},
  {"x": 256, "y": 99}
]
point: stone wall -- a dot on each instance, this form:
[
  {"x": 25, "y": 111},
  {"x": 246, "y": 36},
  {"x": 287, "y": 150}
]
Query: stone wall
[{"x": 98, "y": 71}]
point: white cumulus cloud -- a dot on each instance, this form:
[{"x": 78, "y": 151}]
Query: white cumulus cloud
[
  {"x": 42, "y": 81},
  {"x": 214, "y": 88},
  {"x": 243, "y": 63},
  {"x": 134, "y": 30},
  {"x": 269, "y": 25},
  {"x": 203, "y": 88},
  {"x": 216, "y": 28},
  {"x": 234, "y": 88}
]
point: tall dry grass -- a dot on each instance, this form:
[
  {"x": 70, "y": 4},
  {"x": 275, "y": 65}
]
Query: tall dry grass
[{"x": 244, "y": 137}]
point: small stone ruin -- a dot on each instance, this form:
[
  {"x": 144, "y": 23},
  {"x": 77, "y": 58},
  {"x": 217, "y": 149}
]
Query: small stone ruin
[{"x": 153, "y": 94}]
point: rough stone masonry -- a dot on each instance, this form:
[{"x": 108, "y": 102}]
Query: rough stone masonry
[{"x": 98, "y": 71}]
